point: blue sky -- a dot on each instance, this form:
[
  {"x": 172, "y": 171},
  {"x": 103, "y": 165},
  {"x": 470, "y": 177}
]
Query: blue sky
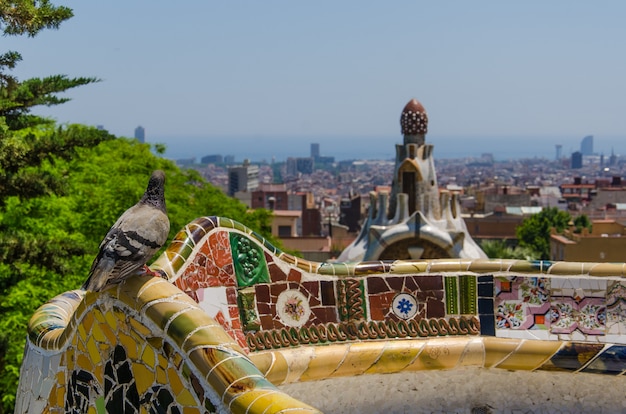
[{"x": 338, "y": 68}]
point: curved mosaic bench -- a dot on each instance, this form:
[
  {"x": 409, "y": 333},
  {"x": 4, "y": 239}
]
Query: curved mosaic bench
[{"x": 240, "y": 315}]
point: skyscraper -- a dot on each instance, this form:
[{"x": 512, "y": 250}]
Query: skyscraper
[
  {"x": 577, "y": 160},
  {"x": 315, "y": 151},
  {"x": 140, "y": 134},
  {"x": 559, "y": 149},
  {"x": 586, "y": 145}
]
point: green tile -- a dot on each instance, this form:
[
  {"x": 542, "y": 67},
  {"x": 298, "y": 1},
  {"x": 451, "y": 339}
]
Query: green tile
[{"x": 452, "y": 295}]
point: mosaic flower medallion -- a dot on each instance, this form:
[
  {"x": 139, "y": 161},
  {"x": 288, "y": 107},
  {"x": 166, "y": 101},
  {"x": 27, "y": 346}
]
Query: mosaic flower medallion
[
  {"x": 404, "y": 306},
  {"x": 293, "y": 308}
]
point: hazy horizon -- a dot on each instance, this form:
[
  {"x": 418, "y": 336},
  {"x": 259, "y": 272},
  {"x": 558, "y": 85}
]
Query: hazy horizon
[{"x": 383, "y": 147}]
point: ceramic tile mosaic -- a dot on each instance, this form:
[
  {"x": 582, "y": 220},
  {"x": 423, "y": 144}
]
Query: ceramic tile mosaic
[
  {"x": 236, "y": 313},
  {"x": 142, "y": 346}
]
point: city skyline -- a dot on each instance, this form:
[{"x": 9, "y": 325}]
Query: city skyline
[{"x": 383, "y": 148}]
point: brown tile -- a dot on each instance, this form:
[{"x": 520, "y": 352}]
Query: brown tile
[
  {"x": 376, "y": 285},
  {"x": 327, "y": 289},
  {"x": 267, "y": 322},
  {"x": 410, "y": 284},
  {"x": 434, "y": 282},
  {"x": 294, "y": 276},
  {"x": 276, "y": 289},
  {"x": 435, "y": 309},
  {"x": 396, "y": 283},
  {"x": 379, "y": 305},
  {"x": 312, "y": 287},
  {"x": 276, "y": 273},
  {"x": 325, "y": 314},
  {"x": 262, "y": 293},
  {"x": 263, "y": 308}
]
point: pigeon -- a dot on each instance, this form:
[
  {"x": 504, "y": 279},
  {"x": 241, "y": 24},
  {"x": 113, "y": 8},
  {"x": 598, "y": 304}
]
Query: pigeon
[{"x": 136, "y": 236}]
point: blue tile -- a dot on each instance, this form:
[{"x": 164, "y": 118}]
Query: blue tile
[{"x": 487, "y": 325}]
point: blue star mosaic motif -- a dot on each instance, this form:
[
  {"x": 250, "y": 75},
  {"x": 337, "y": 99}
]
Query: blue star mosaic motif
[{"x": 404, "y": 306}]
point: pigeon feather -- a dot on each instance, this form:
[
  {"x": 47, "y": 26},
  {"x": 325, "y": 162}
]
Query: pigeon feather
[{"x": 134, "y": 238}]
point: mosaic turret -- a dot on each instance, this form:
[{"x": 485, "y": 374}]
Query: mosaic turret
[{"x": 417, "y": 220}]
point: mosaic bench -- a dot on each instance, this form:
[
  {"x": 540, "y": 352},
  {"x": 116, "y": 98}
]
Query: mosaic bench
[{"x": 233, "y": 318}]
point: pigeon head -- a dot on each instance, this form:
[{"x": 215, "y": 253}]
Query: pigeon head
[{"x": 155, "y": 193}]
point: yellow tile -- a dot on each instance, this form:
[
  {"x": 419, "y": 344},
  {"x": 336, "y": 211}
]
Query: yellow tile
[
  {"x": 84, "y": 362},
  {"x": 207, "y": 335},
  {"x": 139, "y": 327},
  {"x": 98, "y": 372},
  {"x": 98, "y": 315},
  {"x": 396, "y": 356},
  {"x": 60, "y": 393},
  {"x": 82, "y": 334},
  {"x": 497, "y": 349},
  {"x": 607, "y": 269},
  {"x": 155, "y": 289},
  {"x": 273, "y": 365},
  {"x": 325, "y": 361},
  {"x": 148, "y": 356},
  {"x": 474, "y": 355},
  {"x": 530, "y": 355},
  {"x": 94, "y": 351},
  {"x": 52, "y": 397},
  {"x": 486, "y": 265},
  {"x": 111, "y": 320},
  {"x": 80, "y": 346},
  {"x": 268, "y": 401},
  {"x": 177, "y": 359},
  {"x": 191, "y": 410},
  {"x": 185, "y": 323},
  {"x": 120, "y": 315},
  {"x": 162, "y": 361},
  {"x": 176, "y": 384},
  {"x": 108, "y": 333},
  {"x": 162, "y": 312},
  {"x": 263, "y": 360},
  {"x": 87, "y": 321},
  {"x": 360, "y": 357},
  {"x": 97, "y": 333},
  {"x": 402, "y": 267},
  {"x": 129, "y": 290},
  {"x": 144, "y": 377},
  {"x": 155, "y": 342},
  {"x": 185, "y": 398},
  {"x": 440, "y": 353},
  {"x": 161, "y": 376},
  {"x": 129, "y": 344}
]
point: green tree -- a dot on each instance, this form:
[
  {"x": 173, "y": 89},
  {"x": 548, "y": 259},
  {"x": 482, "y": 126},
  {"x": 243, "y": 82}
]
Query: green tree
[
  {"x": 582, "y": 222},
  {"x": 49, "y": 241},
  {"x": 534, "y": 232},
  {"x": 498, "y": 249}
]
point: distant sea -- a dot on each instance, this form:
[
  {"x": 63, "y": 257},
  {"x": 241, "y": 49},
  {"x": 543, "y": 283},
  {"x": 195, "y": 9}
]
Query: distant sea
[{"x": 263, "y": 148}]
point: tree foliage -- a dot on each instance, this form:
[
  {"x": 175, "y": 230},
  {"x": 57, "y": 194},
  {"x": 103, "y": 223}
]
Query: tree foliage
[
  {"x": 498, "y": 249},
  {"x": 534, "y": 232},
  {"x": 62, "y": 187},
  {"x": 47, "y": 242},
  {"x": 582, "y": 222}
]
